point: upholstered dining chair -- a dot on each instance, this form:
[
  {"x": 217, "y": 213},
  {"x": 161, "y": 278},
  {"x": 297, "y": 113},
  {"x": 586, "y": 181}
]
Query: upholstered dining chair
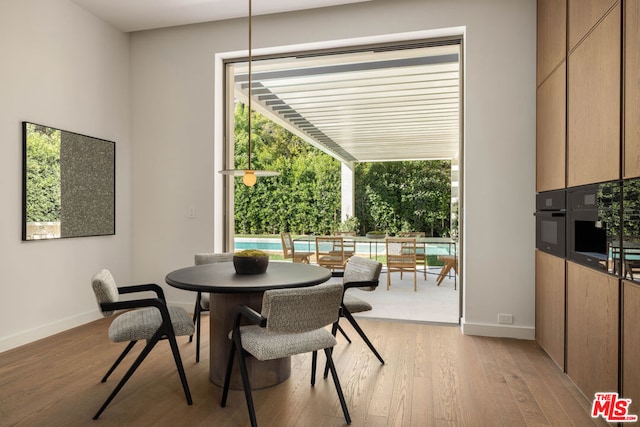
[
  {"x": 289, "y": 250},
  {"x": 202, "y": 300},
  {"x": 152, "y": 320},
  {"x": 362, "y": 274},
  {"x": 401, "y": 257},
  {"x": 292, "y": 321},
  {"x": 330, "y": 252}
]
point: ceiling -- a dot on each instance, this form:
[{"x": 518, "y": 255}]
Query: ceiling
[
  {"x": 365, "y": 105},
  {"x": 136, "y": 15}
]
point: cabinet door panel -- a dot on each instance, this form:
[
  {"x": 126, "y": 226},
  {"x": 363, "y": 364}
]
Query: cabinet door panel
[
  {"x": 550, "y": 305},
  {"x": 551, "y": 36},
  {"x": 593, "y": 126},
  {"x": 583, "y": 15},
  {"x": 551, "y": 132},
  {"x": 632, "y": 90},
  {"x": 592, "y": 329}
]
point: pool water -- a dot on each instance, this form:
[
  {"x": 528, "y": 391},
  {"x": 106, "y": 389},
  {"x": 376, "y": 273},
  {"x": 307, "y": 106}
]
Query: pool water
[{"x": 275, "y": 245}]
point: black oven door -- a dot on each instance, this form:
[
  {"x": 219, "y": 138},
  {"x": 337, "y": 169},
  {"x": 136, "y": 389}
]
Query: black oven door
[
  {"x": 551, "y": 232},
  {"x": 594, "y": 226},
  {"x": 551, "y": 222}
]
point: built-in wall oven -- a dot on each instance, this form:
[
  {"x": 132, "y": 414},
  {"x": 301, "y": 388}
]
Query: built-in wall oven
[
  {"x": 594, "y": 225},
  {"x": 551, "y": 222}
]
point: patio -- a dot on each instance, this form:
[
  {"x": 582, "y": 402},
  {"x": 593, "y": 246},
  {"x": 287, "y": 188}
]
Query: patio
[{"x": 429, "y": 304}]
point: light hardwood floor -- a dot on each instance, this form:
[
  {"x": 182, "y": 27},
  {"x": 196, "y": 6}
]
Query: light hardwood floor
[{"x": 434, "y": 376}]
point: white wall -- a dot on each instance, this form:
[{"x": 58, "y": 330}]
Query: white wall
[
  {"x": 173, "y": 115},
  {"x": 61, "y": 67}
]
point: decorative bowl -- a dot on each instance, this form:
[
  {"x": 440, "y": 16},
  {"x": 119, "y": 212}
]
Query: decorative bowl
[{"x": 250, "y": 262}]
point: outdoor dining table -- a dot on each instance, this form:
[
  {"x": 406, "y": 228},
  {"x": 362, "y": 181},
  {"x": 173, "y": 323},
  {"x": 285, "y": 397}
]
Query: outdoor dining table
[{"x": 228, "y": 290}]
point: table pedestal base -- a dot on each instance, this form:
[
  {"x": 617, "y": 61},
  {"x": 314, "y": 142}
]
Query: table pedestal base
[{"x": 262, "y": 374}]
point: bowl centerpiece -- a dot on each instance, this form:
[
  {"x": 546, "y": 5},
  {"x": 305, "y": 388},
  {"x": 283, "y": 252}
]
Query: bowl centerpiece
[
  {"x": 250, "y": 261},
  {"x": 376, "y": 234}
]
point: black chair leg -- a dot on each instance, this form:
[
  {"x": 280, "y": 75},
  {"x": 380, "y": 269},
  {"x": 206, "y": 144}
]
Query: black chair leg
[
  {"x": 344, "y": 334},
  {"x": 118, "y": 360},
  {"x": 196, "y": 313},
  {"x": 237, "y": 345},
  {"x": 145, "y": 351},
  {"x": 198, "y": 332},
  {"x": 336, "y": 382},
  {"x": 358, "y": 329},
  {"x": 227, "y": 375},
  {"x": 314, "y": 360},
  {"x": 176, "y": 356},
  {"x": 246, "y": 386}
]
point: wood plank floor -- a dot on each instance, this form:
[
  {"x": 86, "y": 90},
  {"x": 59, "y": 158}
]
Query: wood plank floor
[{"x": 434, "y": 376}]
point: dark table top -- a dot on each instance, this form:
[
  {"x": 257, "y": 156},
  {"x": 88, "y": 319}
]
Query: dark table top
[{"x": 222, "y": 278}]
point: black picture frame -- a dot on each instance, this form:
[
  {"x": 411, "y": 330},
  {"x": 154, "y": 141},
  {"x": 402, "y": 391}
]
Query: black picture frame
[{"x": 68, "y": 186}]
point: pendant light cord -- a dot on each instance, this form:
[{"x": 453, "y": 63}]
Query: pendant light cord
[{"x": 250, "y": 84}]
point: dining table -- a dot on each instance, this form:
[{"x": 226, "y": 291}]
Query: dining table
[{"x": 227, "y": 291}]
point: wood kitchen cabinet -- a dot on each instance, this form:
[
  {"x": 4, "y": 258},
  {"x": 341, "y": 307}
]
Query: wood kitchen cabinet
[
  {"x": 551, "y": 131},
  {"x": 592, "y": 329},
  {"x": 593, "y": 105},
  {"x": 551, "y": 37},
  {"x": 630, "y": 386},
  {"x": 550, "y": 302},
  {"x": 632, "y": 89},
  {"x": 584, "y": 15}
]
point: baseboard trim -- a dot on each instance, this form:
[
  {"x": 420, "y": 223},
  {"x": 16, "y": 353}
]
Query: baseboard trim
[
  {"x": 31, "y": 335},
  {"x": 500, "y": 331},
  {"x": 35, "y": 334}
]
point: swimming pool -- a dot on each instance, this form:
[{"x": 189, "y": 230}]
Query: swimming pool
[{"x": 372, "y": 247}]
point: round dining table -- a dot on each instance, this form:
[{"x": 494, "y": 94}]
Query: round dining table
[{"x": 228, "y": 290}]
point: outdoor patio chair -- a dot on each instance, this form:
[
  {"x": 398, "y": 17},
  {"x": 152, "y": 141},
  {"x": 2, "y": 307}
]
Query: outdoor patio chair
[
  {"x": 289, "y": 250},
  {"x": 401, "y": 257},
  {"x": 292, "y": 322},
  {"x": 152, "y": 321},
  {"x": 202, "y": 300},
  {"x": 330, "y": 252},
  {"x": 348, "y": 242},
  {"x": 421, "y": 250}
]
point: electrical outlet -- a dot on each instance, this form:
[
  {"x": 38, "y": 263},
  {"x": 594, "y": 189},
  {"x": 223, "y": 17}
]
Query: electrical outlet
[{"x": 505, "y": 318}]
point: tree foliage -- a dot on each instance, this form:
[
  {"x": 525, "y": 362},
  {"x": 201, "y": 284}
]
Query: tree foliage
[
  {"x": 306, "y": 197},
  {"x": 43, "y": 174},
  {"x": 404, "y": 196}
]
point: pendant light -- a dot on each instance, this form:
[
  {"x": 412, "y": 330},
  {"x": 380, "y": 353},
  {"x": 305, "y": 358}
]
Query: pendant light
[{"x": 249, "y": 175}]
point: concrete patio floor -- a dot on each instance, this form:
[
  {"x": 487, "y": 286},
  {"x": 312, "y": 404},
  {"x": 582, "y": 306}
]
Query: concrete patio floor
[{"x": 429, "y": 304}]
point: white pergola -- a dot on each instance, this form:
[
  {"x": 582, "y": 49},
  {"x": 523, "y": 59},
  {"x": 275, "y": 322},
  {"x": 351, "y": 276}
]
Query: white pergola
[{"x": 369, "y": 105}]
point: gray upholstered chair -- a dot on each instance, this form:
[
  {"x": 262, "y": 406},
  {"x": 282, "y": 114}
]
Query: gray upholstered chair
[
  {"x": 202, "y": 300},
  {"x": 363, "y": 274},
  {"x": 152, "y": 321},
  {"x": 292, "y": 321}
]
